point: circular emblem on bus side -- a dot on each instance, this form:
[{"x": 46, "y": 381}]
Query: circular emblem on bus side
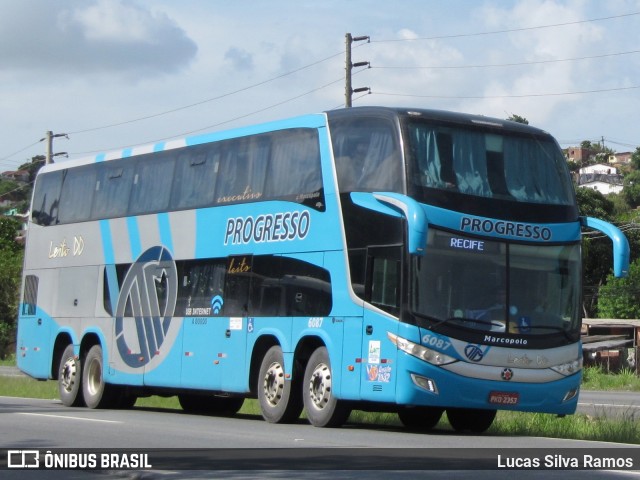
[{"x": 146, "y": 305}]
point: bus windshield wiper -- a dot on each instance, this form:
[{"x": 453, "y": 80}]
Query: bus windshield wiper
[
  {"x": 551, "y": 327},
  {"x": 436, "y": 321}
]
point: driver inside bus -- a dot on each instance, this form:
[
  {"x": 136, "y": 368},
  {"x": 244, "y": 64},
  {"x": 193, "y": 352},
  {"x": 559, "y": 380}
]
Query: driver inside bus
[
  {"x": 350, "y": 166},
  {"x": 494, "y": 317}
]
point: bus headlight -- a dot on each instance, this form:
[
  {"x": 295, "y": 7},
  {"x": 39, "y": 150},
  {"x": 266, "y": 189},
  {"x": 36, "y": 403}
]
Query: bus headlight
[
  {"x": 568, "y": 368},
  {"x": 419, "y": 351}
]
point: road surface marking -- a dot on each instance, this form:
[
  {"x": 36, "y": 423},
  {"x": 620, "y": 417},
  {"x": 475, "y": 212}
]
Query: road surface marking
[{"x": 68, "y": 418}]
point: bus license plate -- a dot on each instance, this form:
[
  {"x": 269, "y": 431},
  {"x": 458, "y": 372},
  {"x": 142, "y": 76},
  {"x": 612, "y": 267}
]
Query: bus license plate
[{"x": 504, "y": 398}]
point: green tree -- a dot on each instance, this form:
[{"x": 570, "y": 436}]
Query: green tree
[
  {"x": 592, "y": 203},
  {"x": 635, "y": 159},
  {"x": 517, "y": 118},
  {"x": 596, "y": 249},
  {"x": 11, "y": 255},
  {"x": 618, "y": 297},
  {"x": 631, "y": 188}
]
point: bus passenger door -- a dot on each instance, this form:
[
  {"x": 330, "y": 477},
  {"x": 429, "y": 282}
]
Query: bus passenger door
[
  {"x": 382, "y": 290},
  {"x": 34, "y": 326},
  {"x": 232, "y": 328},
  {"x": 201, "y": 303}
]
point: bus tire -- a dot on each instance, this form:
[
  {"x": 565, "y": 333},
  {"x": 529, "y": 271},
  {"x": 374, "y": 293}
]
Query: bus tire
[
  {"x": 470, "y": 419},
  {"x": 420, "y": 418},
  {"x": 323, "y": 408},
  {"x": 96, "y": 393},
  {"x": 279, "y": 401},
  {"x": 70, "y": 379},
  {"x": 125, "y": 400}
]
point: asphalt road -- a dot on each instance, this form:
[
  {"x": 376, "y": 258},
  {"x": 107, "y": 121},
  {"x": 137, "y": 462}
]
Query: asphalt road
[{"x": 276, "y": 451}]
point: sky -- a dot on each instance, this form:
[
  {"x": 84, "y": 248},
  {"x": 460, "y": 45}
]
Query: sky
[{"x": 113, "y": 74}]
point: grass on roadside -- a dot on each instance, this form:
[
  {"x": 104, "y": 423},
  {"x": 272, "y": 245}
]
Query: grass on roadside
[{"x": 597, "y": 378}]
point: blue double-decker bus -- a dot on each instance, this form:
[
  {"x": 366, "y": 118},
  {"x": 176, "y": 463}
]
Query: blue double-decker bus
[{"x": 403, "y": 260}]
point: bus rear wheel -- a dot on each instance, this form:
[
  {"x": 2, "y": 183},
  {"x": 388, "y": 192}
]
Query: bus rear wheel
[
  {"x": 279, "y": 401},
  {"x": 70, "y": 378},
  {"x": 470, "y": 420},
  {"x": 96, "y": 393},
  {"x": 420, "y": 418},
  {"x": 323, "y": 408}
]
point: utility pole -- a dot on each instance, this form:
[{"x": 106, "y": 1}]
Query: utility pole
[
  {"x": 348, "y": 90},
  {"x": 49, "y": 136}
]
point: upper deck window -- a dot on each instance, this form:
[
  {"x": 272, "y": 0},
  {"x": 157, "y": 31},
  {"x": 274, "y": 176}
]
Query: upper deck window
[
  {"x": 485, "y": 163},
  {"x": 367, "y": 155},
  {"x": 280, "y": 165}
]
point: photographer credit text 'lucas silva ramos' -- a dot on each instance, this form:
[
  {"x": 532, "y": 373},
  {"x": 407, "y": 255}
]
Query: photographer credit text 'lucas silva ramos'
[{"x": 561, "y": 461}]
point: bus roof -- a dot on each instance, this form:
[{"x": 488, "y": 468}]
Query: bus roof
[
  {"x": 305, "y": 121},
  {"x": 437, "y": 116}
]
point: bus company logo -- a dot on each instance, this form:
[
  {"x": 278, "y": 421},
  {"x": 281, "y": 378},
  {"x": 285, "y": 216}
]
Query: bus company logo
[
  {"x": 474, "y": 352},
  {"x": 505, "y": 228},
  {"x": 145, "y": 307},
  {"x": 278, "y": 227},
  {"x": 507, "y": 374}
]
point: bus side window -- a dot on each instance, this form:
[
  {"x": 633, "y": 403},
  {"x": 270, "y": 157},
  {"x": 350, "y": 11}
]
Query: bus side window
[
  {"x": 46, "y": 198},
  {"x": 294, "y": 166},
  {"x": 152, "y": 184},
  {"x": 195, "y": 179},
  {"x": 113, "y": 188},
  {"x": 282, "y": 286},
  {"x": 383, "y": 278},
  {"x": 77, "y": 194},
  {"x": 30, "y": 295},
  {"x": 236, "y": 289},
  {"x": 242, "y": 171},
  {"x": 367, "y": 155},
  {"x": 201, "y": 282}
]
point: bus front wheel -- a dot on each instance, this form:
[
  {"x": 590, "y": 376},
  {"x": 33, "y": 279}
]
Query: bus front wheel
[
  {"x": 420, "y": 418},
  {"x": 70, "y": 378},
  {"x": 470, "y": 420},
  {"x": 279, "y": 401},
  {"x": 96, "y": 393},
  {"x": 323, "y": 408}
]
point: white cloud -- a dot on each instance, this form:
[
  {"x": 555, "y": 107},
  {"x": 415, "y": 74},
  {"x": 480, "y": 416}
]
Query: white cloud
[
  {"x": 72, "y": 65},
  {"x": 118, "y": 22},
  {"x": 89, "y": 36}
]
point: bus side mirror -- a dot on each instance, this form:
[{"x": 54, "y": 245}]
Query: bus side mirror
[
  {"x": 620, "y": 243},
  {"x": 399, "y": 205}
]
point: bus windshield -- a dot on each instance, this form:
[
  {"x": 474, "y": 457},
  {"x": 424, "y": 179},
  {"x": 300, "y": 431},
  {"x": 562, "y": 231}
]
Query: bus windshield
[
  {"x": 487, "y": 162},
  {"x": 491, "y": 285}
]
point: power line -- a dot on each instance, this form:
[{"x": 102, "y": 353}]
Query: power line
[
  {"x": 511, "y": 30},
  {"x": 263, "y": 109},
  {"x": 179, "y": 135},
  {"x": 623, "y": 144},
  {"x": 480, "y": 97},
  {"x": 498, "y": 65},
  {"x": 202, "y": 102},
  {"x": 6, "y": 158}
]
